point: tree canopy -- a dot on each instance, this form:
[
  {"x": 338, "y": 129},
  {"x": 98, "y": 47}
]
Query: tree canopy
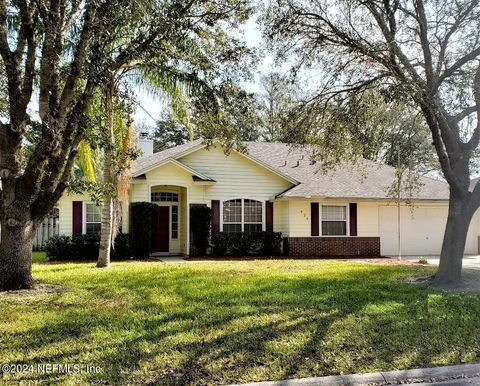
[
  {"x": 55, "y": 56},
  {"x": 425, "y": 51}
]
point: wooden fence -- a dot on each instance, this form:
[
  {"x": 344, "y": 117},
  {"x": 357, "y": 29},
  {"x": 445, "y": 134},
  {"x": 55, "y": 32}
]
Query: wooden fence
[{"x": 47, "y": 229}]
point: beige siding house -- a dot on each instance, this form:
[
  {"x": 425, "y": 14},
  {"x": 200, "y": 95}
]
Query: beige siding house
[{"x": 345, "y": 212}]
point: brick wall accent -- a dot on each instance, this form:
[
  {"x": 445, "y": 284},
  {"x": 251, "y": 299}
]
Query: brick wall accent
[{"x": 332, "y": 246}]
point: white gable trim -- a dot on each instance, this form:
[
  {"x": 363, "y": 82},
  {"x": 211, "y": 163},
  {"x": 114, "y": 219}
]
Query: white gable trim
[
  {"x": 202, "y": 146},
  {"x": 175, "y": 162},
  {"x": 247, "y": 156}
]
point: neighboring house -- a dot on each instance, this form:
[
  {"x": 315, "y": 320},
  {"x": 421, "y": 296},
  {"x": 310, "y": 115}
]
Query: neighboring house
[{"x": 277, "y": 187}]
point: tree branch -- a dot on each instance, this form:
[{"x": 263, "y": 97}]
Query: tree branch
[
  {"x": 462, "y": 114},
  {"x": 78, "y": 61},
  {"x": 48, "y": 62},
  {"x": 456, "y": 25},
  {"x": 4, "y": 47},
  {"x": 472, "y": 55},
  {"x": 425, "y": 43},
  {"x": 474, "y": 140}
]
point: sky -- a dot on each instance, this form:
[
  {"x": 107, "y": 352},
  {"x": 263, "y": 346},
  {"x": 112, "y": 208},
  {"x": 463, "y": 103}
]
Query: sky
[{"x": 150, "y": 108}]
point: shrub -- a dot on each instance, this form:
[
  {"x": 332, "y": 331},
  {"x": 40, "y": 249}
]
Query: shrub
[
  {"x": 272, "y": 243},
  {"x": 200, "y": 226},
  {"x": 144, "y": 217},
  {"x": 59, "y": 246},
  {"x": 247, "y": 243},
  {"x": 84, "y": 247},
  {"x": 121, "y": 248}
]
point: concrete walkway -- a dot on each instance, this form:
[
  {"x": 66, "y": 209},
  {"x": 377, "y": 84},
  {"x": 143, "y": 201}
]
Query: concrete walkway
[
  {"x": 168, "y": 259},
  {"x": 468, "y": 374}
]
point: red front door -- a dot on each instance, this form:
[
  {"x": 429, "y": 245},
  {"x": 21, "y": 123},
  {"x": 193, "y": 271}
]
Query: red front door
[{"x": 163, "y": 227}]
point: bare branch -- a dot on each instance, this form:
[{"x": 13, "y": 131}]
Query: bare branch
[
  {"x": 423, "y": 35},
  {"x": 456, "y": 25},
  {"x": 463, "y": 114},
  {"x": 474, "y": 140},
  {"x": 472, "y": 55}
]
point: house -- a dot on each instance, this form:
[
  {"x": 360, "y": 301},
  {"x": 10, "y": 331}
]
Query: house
[{"x": 276, "y": 187}]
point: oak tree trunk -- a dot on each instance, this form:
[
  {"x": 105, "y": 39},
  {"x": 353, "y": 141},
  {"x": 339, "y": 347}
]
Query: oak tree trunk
[
  {"x": 16, "y": 252},
  {"x": 460, "y": 213}
]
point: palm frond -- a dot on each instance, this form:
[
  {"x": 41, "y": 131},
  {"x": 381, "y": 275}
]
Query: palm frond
[{"x": 86, "y": 161}]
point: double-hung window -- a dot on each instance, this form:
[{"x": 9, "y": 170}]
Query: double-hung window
[
  {"x": 93, "y": 219},
  {"x": 242, "y": 215},
  {"x": 334, "y": 220}
]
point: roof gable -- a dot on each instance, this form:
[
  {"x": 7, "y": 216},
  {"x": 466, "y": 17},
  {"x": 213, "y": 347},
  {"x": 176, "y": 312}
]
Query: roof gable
[
  {"x": 294, "y": 164},
  {"x": 145, "y": 164}
]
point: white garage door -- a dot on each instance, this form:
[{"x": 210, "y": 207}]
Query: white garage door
[{"x": 421, "y": 230}]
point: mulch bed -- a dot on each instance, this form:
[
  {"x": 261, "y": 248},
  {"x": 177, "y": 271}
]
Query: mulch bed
[{"x": 38, "y": 289}]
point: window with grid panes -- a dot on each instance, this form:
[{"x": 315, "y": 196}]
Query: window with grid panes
[{"x": 242, "y": 215}]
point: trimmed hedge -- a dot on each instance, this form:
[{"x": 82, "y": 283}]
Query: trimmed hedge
[
  {"x": 200, "y": 226},
  {"x": 85, "y": 247},
  {"x": 143, "y": 227},
  {"x": 247, "y": 243}
]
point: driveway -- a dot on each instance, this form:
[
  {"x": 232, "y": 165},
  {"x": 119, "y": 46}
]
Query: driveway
[
  {"x": 470, "y": 274},
  {"x": 469, "y": 261}
]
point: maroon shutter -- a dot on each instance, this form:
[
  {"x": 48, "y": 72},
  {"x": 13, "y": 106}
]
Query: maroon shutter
[
  {"x": 215, "y": 216},
  {"x": 77, "y": 216},
  {"x": 314, "y": 212},
  {"x": 269, "y": 216},
  {"x": 353, "y": 219}
]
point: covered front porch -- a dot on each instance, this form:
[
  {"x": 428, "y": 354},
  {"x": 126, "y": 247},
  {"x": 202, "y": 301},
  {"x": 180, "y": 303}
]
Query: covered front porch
[{"x": 171, "y": 235}]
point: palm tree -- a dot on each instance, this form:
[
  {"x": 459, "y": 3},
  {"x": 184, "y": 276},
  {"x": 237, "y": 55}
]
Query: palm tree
[
  {"x": 120, "y": 140},
  {"x": 119, "y": 146},
  {"x": 86, "y": 162}
]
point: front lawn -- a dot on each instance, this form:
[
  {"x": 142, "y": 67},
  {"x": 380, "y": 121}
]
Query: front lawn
[{"x": 219, "y": 323}]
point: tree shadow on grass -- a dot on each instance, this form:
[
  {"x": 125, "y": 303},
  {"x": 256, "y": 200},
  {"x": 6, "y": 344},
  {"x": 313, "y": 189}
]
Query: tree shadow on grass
[{"x": 194, "y": 326}]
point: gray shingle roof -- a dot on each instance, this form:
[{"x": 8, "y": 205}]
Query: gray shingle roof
[{"x": 368, "y": 180}]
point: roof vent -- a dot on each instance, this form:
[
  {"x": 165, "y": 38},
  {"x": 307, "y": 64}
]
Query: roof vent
[
  {"x": 284, "y": 163},
  {"x": 297, "y": 164}
]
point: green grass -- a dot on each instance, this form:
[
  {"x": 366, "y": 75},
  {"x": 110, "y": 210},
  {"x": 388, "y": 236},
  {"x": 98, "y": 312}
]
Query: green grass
[
  {"x": 39, "y": 257},
  {"x": 219, "y": 323}
]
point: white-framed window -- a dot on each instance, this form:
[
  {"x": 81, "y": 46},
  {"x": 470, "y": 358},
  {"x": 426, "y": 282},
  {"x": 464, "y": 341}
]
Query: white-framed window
[
  {"x": 334, "y": 220},
  {"x": 174, "y": 222},
  {"x": 242, "y": 215},
  {"x": 164, "y": 197},
  {"x": 92, "y": 219}
]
